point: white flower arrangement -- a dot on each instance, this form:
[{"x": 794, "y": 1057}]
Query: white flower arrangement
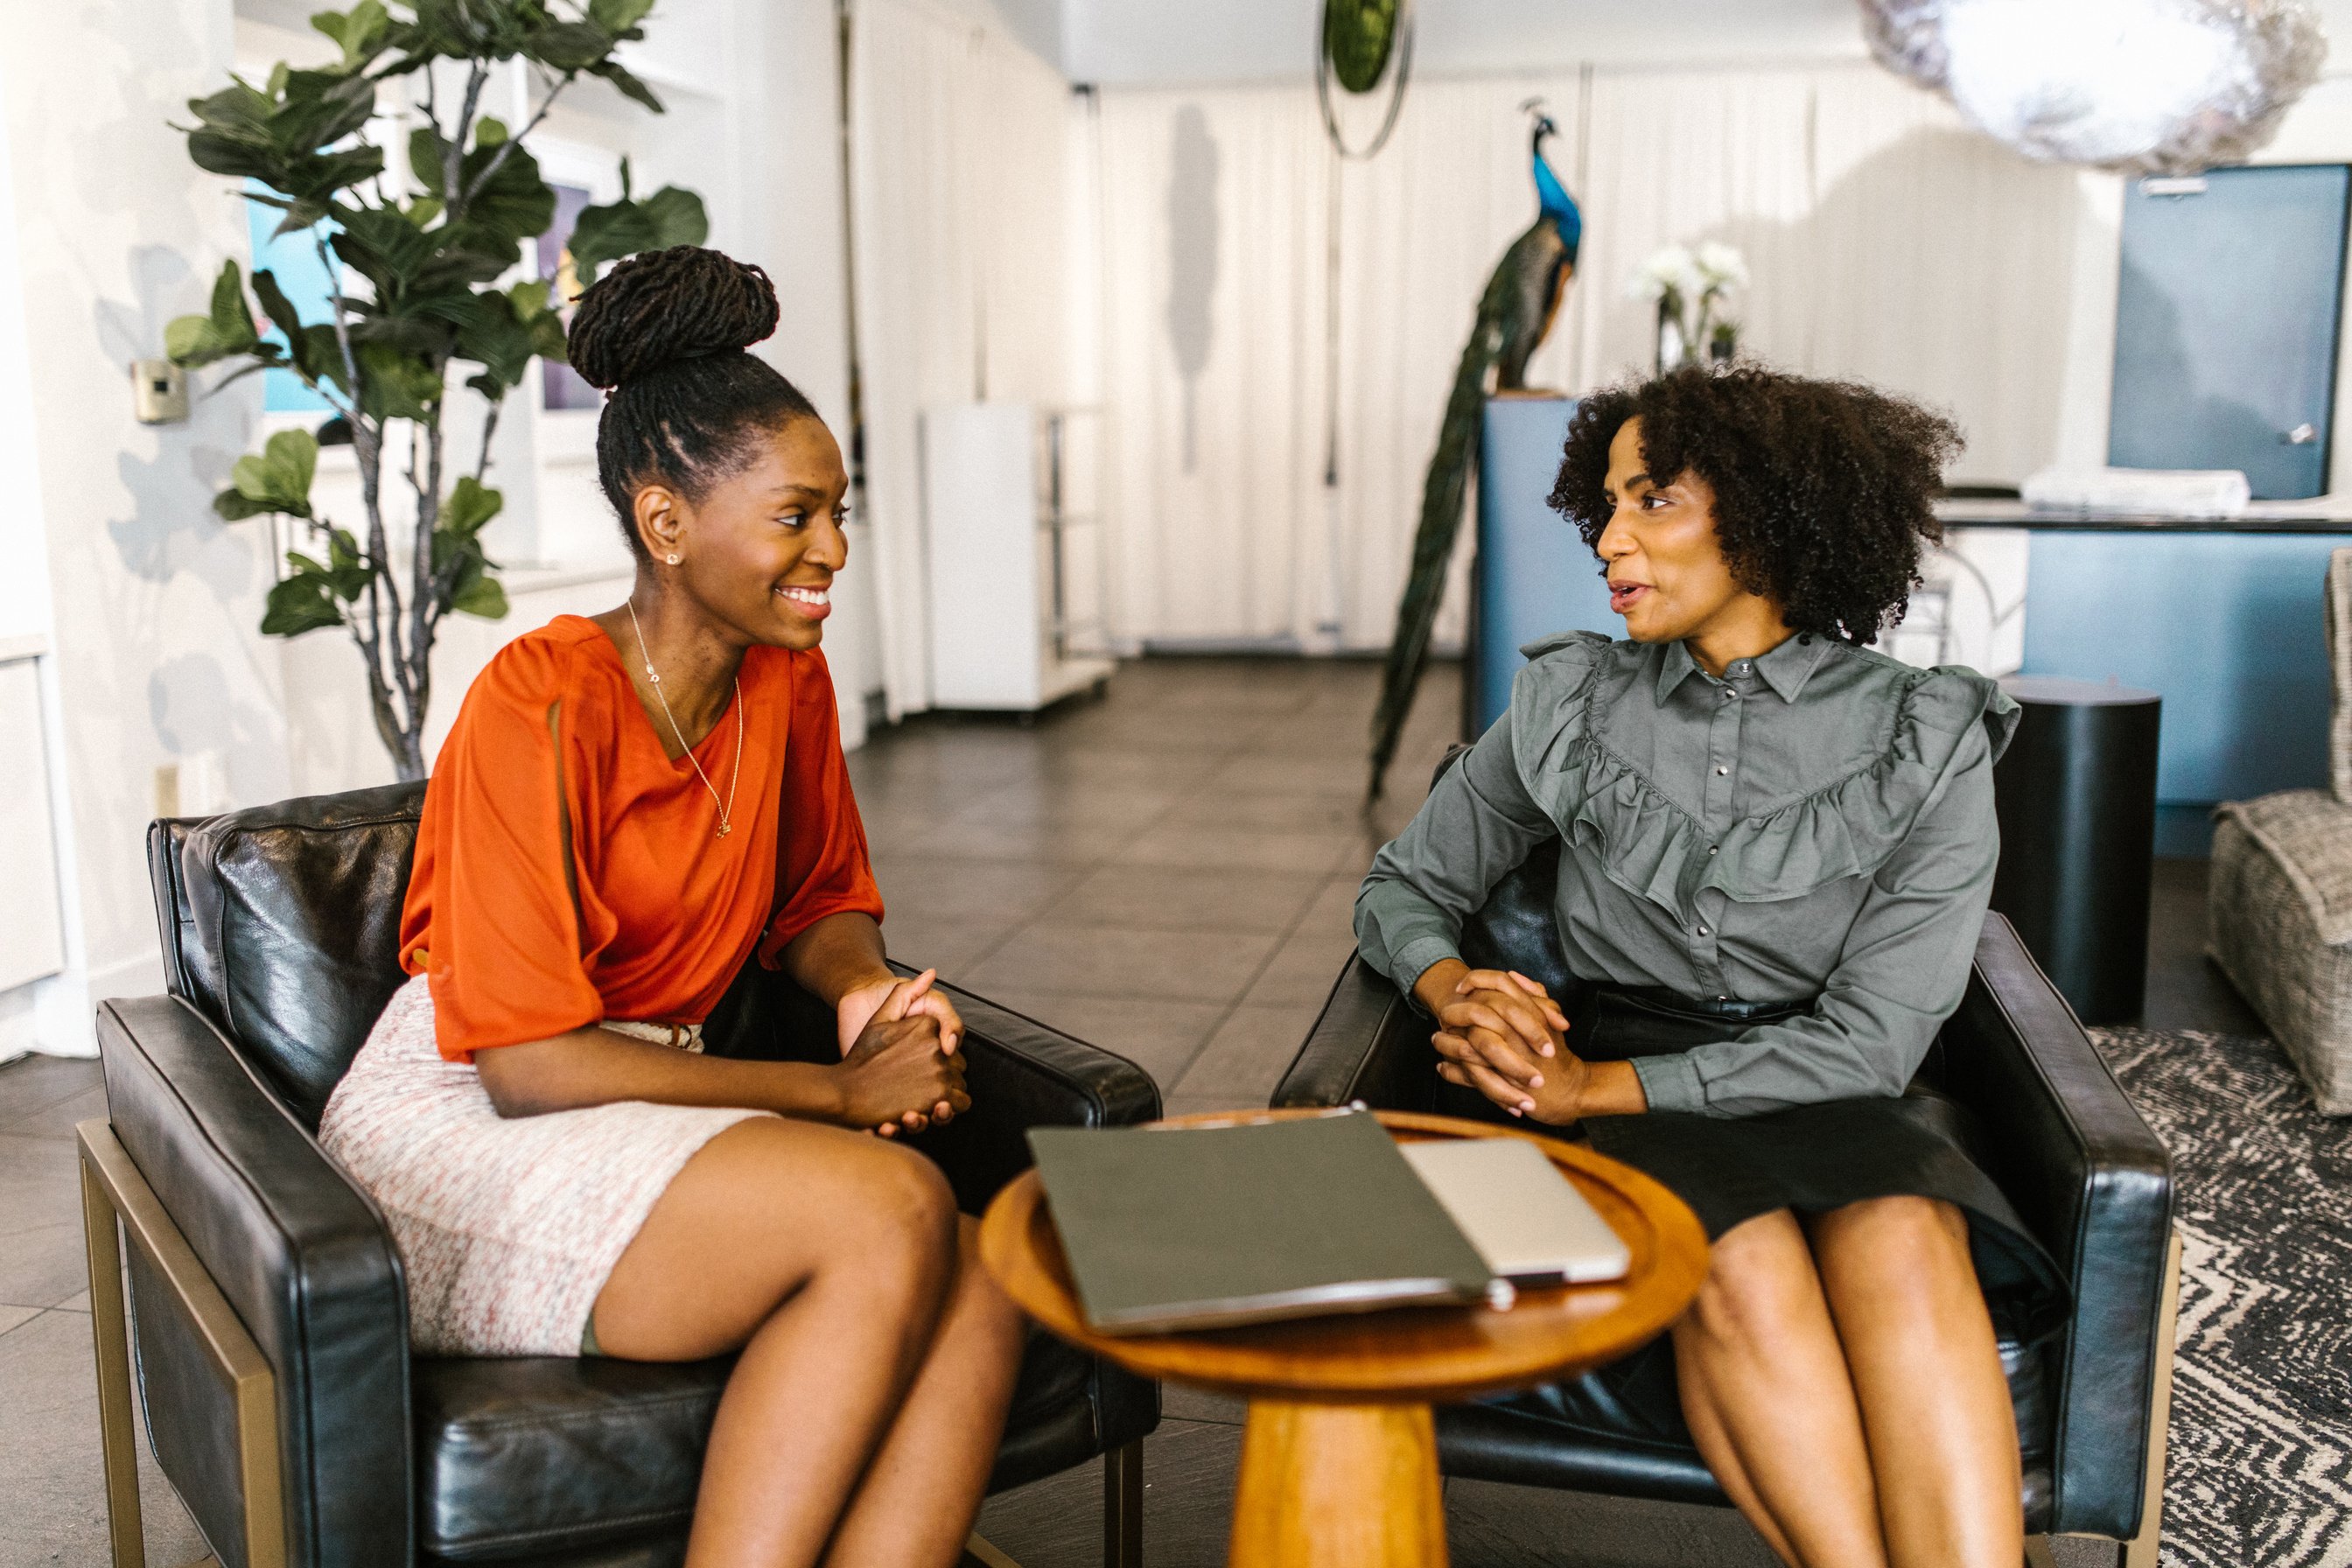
[
  {"x": 1721, "y": 265},
  {"x": 1689, "y": 287},
  {"x": 1670, "y": 270}
]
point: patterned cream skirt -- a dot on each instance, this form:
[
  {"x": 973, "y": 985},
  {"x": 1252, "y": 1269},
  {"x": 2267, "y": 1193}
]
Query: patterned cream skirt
[{"x": 508, "y": 1228}]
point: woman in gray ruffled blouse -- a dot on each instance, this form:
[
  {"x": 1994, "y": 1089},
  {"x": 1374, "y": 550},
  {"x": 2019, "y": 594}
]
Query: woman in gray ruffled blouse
[{"x": 1776, "y": 848}]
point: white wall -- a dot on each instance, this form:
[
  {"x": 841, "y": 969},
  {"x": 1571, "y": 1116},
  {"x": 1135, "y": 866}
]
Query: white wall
[{"x": 155, "y": 602}]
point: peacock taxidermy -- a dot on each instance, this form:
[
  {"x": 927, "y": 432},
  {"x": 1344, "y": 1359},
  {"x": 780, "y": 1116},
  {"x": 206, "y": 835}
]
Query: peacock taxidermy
[{"x": 1515, "y": 313}]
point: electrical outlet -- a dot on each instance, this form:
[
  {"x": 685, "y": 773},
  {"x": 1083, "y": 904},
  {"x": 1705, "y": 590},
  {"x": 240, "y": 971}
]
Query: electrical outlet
[
  {"x": 204, "y": 783},
  {"x": 194, "y": 785},
  {"x": 159, "y": 392}
]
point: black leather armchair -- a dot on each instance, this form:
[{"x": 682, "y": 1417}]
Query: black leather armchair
[
  {"x": 270, "y": 1320},
  {"x": 2076, "y": 1159}
]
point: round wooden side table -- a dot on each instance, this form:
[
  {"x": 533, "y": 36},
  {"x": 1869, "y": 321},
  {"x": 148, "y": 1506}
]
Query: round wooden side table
[{"x": 1339, "y": 1465}]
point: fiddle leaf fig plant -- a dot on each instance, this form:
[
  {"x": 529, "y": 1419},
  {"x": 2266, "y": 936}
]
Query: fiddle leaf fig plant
[{"x": 421, "y": 250}]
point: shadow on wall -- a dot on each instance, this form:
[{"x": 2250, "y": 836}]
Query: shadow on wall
[
  {"x": 1941, "y": 261},
  {"x": 191, "y": 702},
  {"x": 1191, "y": 257}
]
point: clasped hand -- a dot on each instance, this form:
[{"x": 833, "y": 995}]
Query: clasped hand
[
  {"x": 1504, "y": 1036},
  {"x": 900, "y": 1067}
]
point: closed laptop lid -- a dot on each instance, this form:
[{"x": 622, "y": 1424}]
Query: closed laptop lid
[{"x": 1523, "y": 1214}]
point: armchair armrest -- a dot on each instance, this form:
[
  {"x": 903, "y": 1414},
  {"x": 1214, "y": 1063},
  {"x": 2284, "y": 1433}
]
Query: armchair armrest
[
  {"x": 1022, "y": 1074},
  {"x": 1370, "y": 1043},
  {"x": 300, "y": 1255},
  {"x": 2094, "y": 1186}
]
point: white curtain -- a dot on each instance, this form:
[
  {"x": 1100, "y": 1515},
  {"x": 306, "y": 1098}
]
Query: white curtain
[
  {"x": 1215, "y": 267},
  {"x": 1886, "y": 242},
  {"x": 959, "y": 210}
]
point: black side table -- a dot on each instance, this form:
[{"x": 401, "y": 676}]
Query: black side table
[{"x": 2076, "y": 797}]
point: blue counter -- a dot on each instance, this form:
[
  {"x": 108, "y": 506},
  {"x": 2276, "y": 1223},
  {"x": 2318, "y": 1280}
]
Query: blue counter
[{"x": 2229, "y": 627}]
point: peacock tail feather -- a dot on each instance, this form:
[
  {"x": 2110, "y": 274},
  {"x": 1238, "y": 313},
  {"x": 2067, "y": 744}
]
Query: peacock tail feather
[{"x": 1442, "y": 495}]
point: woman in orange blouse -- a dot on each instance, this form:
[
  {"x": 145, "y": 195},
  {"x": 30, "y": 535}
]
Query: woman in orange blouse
[{"x": 627, "y": 808}]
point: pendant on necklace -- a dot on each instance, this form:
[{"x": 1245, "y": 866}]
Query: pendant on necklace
[{"x": 725, "y": 828}]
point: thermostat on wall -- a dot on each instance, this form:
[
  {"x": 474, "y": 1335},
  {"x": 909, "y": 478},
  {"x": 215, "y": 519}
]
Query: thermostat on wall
[{"x": 158, "y": 391}]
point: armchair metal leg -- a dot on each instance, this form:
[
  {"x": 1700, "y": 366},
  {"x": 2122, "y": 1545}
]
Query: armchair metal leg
[
  {"x": 1123, "y": 1507},
  {"x": 113, "y": 1189},
  {"x": 124, "y": 1526}
]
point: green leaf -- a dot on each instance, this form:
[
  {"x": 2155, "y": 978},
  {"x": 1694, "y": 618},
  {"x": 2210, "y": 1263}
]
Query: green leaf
[
  {"x": 361, "y": 33},
  {"x": 669, "y": 216},
  {"x": 470, "y": 506},
  {"x": 570, "y": 46},
  {"x": 629, "y": 85},
  {"x": 293, "y": 455},
  {"x": 231, "y": 319},
  {"x": 489, "y": 131},
  {"x": 347, "y": 573},
  {"x": 326, "y": 352},
  {"x": 396, "y": 385},
  {"x": 235, "y": 506},
  {"x": 510, "y": 202},
  {"x": 224, "y": 330},
  {"x": 287, "y": 321},
  {"x": 185, "y": 339},
  {"x": 278, "y": 479},
  {"x": 300, "y": 603},
  {"x": 428, "y": 151},
  {"x": 383, "y": 247},
  {"x": 618, "y": 16},
  {"x": 540, "y": 318},
  {"x": 286, "y": 137},
  {"x": 485, "y": 597}
]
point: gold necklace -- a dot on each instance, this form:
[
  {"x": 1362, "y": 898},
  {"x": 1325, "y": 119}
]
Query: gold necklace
[{"x": 726, "y": 807}]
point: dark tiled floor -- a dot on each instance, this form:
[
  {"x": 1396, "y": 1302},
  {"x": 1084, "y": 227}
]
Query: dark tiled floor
[
  {"x": 52, "y": 1502},
  {"x": 1168, "y": 872}
]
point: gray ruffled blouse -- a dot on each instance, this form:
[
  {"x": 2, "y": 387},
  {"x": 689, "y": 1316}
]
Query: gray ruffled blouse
[{"x": 1815, "y": 826}]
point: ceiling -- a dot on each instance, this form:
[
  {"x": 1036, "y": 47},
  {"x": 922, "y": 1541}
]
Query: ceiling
[
  {"x": 1132, "y": 42},
  {"x": 1142, "y": 42}
]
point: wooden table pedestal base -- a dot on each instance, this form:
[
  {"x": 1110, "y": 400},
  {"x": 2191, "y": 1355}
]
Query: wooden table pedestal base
[{"x": 1338, "y": 1486}]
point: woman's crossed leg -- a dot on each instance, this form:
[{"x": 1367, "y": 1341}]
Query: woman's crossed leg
[
  {"x": 860, "y": 1423},
  {"x": 1842, "y": 1380}
]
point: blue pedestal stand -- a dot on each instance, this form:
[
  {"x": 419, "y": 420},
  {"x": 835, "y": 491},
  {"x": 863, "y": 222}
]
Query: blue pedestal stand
[{"x": 1533, "y": 576}]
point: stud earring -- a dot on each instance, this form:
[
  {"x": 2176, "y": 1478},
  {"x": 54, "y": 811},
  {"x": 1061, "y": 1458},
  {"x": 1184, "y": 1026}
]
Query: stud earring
[{"x": 673, "y": 557}]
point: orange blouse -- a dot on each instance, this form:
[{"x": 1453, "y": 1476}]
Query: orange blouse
[{"x": 567, "y": 871}]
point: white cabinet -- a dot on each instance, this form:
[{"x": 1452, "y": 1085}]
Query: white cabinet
[
  {"x": 32, "y": 927},
  {"x": 1011, "y": 588}
]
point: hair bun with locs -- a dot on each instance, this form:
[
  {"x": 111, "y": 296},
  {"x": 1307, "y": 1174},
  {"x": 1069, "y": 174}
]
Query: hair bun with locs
[
  {"x": 662, "y": 308},
  {"x": 663, "y": 331}
]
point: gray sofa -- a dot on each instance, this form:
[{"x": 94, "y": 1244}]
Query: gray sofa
[{"x": 2280, "y": 902}]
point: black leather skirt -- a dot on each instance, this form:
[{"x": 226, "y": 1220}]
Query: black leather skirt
[{"x": 1809, "y": 1159}]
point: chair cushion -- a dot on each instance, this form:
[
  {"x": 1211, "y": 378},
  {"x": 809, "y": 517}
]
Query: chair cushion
[
  {"x": 2309, "y": 833},
  {"x": 541, "y": 1456},
  {"x": 291, "y": 936}
]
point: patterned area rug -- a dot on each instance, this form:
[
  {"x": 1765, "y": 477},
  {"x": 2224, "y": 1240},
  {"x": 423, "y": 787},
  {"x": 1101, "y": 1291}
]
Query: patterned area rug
[{"x": 2260, "y": 1463}]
